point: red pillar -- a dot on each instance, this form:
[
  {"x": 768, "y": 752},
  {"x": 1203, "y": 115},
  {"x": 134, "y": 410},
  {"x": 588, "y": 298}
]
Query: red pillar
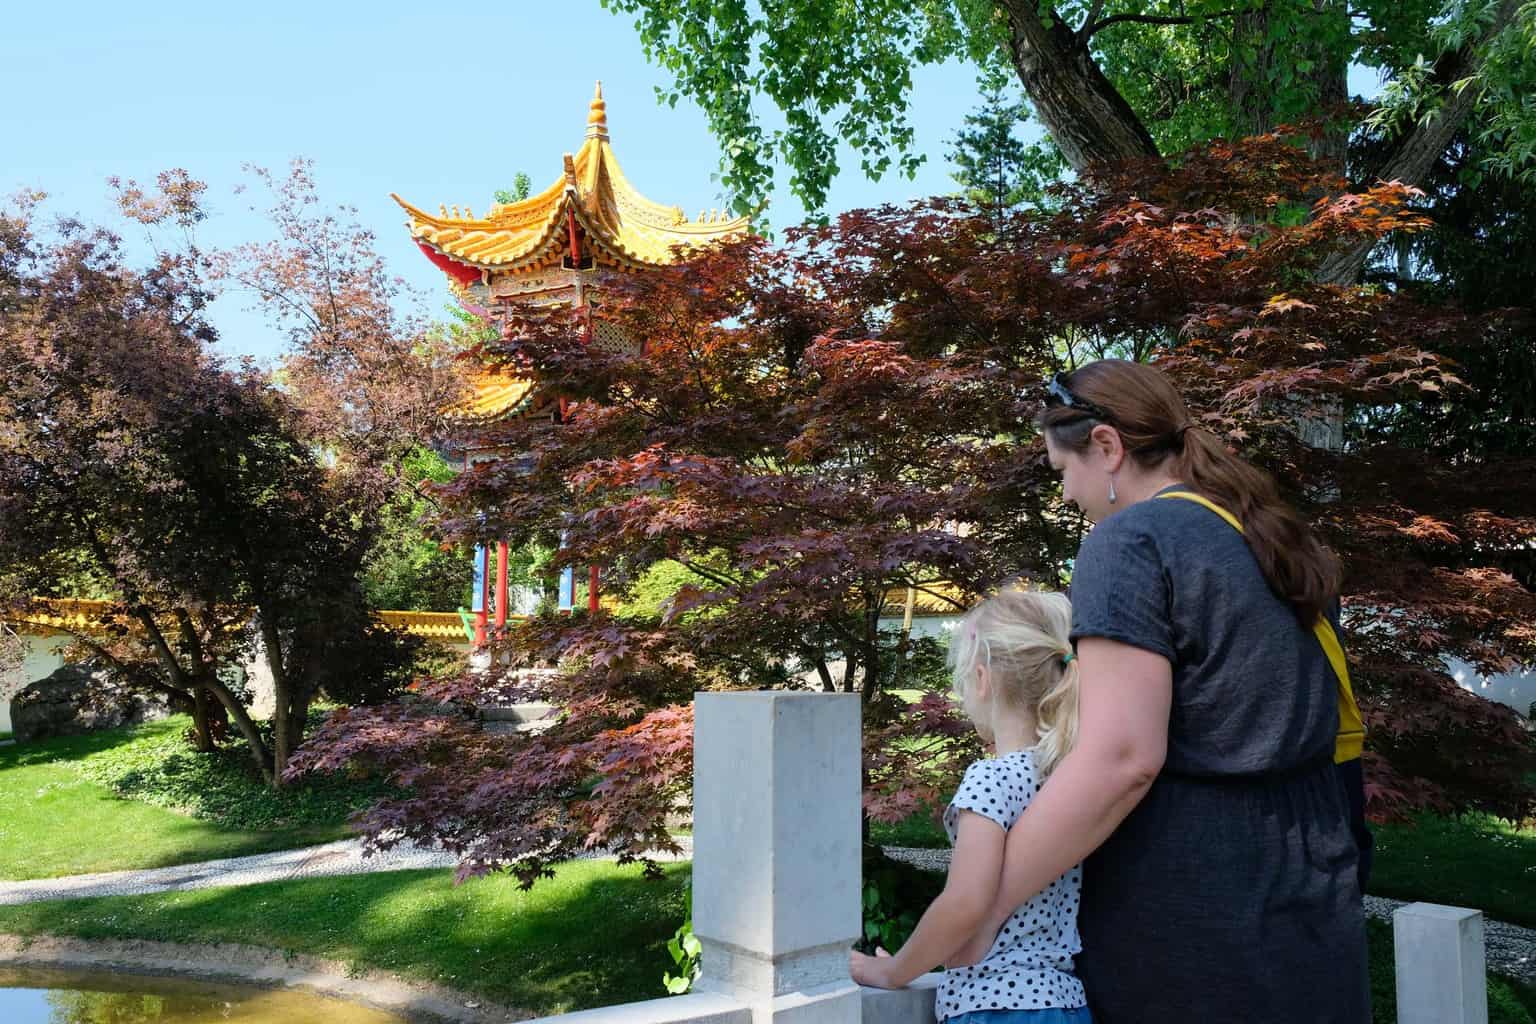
[
  {"x": 501, "y": 584},
  {"x": 592, "y": 589}
]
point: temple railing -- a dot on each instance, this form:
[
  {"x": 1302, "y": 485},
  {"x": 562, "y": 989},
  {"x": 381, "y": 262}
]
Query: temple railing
[{"x": 77, "y": 615}]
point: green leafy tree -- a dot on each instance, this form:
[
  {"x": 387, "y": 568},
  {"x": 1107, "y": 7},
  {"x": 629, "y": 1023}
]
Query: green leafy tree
[
  {"x": 996, "y": 169},
  {"x": 1109, "y": 81},
  {"x": 408, "y": 568},
  {"x": 522, "y": 188}
]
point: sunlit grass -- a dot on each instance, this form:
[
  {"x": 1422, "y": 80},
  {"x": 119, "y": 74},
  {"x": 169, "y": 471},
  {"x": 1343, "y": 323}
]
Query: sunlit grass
[
  {"x": 54, "y": 822},
  {"x": 593, "y": 935}
]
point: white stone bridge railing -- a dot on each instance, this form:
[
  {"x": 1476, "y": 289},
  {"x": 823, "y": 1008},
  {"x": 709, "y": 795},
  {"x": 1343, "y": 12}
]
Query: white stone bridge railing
[{"x": 776, "y": 885}]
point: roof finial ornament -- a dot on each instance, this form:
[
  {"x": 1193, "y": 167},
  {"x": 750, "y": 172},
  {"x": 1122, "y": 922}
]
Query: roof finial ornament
[{"x": 597, "y": 116}]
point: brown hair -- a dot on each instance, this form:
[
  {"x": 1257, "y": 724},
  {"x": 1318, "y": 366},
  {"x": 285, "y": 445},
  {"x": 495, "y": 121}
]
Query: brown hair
[{"x": 1157, "y": 432}]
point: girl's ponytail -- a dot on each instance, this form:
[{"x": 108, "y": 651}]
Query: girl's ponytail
[
  {"x": 1056, "y": 717},
  {"x": 1022, "y": 638}
]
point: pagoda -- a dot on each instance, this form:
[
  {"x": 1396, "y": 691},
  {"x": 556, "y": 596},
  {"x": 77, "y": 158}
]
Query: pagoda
[{"x": 553, "y": 249}]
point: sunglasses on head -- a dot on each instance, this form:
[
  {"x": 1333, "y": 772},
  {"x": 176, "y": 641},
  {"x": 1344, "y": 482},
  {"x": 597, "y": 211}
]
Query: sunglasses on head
[{"x": 1058, "y": 394}]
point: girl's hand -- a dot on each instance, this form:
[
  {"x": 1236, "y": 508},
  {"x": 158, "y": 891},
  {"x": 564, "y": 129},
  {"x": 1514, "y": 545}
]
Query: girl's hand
[{"x": 873, "y": 971}]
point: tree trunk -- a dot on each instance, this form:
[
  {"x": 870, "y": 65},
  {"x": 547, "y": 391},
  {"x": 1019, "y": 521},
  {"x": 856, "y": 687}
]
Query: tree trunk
[
  {"x": 202, "y": 727},
  {"x": 1089, "y": 121},
  {"x": 871, "y": 685},
  {"x": 247, "y": 726},
  {"x": 282, "y": 715},
  {"x": 288, "y": 731},
  {"x": 1415, "y": 153},
  {"x": 827, "y": 685}
]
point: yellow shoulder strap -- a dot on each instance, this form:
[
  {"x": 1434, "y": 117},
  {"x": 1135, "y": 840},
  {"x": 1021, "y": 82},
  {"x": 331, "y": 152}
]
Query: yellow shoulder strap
[{"x": 1351, "y": 738}]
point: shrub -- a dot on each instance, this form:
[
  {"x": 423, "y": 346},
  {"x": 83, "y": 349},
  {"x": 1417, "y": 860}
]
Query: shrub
[{"x": 156, "y": 766}]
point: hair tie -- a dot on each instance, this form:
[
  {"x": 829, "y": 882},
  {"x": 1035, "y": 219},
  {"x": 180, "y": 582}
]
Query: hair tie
[{"x": 1066, "y": 659}]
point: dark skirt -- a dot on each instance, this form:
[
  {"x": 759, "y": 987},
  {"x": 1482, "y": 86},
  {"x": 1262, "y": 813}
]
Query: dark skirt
[{"x": 1230, "y": 899}]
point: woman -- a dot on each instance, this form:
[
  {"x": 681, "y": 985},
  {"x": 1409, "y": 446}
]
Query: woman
[{"x": 1220, "y": 875}]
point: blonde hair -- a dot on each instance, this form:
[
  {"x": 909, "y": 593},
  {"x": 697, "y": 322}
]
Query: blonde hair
[{"x": 1023, "y": 639}]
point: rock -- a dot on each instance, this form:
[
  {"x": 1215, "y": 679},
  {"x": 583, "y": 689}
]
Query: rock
[{"x": 76, "y": 699}]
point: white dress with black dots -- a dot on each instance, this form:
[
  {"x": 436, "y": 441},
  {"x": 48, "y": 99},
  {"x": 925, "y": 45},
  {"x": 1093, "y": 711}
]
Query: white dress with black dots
[{"x": 1029, "y": 967}]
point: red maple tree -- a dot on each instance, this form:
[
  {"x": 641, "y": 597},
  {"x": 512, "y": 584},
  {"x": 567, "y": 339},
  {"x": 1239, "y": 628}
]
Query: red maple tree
[{"x": 812, "y": 427}]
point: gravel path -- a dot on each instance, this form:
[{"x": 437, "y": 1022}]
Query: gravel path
[
  {"x": 1510, "y": 948},
  {"x": 339, "y": 858}
]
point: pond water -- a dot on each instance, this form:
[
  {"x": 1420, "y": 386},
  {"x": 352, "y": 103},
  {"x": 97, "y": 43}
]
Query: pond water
[{"x": 80, "y": 997}]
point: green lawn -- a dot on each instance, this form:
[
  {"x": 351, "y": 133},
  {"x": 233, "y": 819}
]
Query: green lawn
[
  {"x": 1471, "y": 861},
  {"x": 55, "y": 821},
  {"x": 593, "y": 935}
]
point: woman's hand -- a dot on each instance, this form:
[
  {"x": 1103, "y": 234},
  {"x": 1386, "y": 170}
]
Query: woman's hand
[{"x": 873, "y": 971}]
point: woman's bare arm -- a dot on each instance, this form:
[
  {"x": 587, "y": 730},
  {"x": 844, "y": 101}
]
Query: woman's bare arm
[{"x": 1126, "y": 696}]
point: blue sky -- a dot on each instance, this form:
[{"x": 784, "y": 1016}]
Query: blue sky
[{"x": 439, "y": 105}]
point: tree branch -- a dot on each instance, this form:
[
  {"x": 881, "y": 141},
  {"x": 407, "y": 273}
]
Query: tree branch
[
  {"x": 1091, "y": 28},
  {"x": 1088, "y": 21},
  {"x": 1416, "y": 152}
]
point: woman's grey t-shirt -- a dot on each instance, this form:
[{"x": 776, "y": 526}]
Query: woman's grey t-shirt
[
  {"x": 1029, "y": 966},
  {"x": 1230, "y": 892},
  {"x": 1253, "y": 690}
]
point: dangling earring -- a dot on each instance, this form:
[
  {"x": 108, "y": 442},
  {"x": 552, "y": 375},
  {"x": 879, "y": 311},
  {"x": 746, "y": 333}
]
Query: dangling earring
[{"x": 1111, "y": 490}]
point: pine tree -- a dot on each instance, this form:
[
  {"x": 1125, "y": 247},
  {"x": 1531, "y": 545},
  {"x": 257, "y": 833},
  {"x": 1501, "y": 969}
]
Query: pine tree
[{"x": 997, "y": 170}]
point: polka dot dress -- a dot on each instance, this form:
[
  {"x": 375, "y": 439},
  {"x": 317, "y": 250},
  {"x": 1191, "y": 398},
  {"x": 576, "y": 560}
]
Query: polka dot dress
[{"x": 1029, "y": 967}]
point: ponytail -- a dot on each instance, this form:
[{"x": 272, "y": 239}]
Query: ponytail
[
  {"x": 1157, "y": 432},
  {"x": 1022, "y": 637},
  {"x": 1056, "y": 718},
  {"x": 1298, "y": 568}
]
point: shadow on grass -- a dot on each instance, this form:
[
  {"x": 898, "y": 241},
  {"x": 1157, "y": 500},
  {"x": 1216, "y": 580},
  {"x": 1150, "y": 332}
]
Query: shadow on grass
[
  {"x": 75, "y": 748},
  {"x": 592, "y": 936}
]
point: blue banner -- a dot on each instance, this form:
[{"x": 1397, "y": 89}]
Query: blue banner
[
  {"x": 567, "y": 588},
  {"x": 477, "y": 598}
]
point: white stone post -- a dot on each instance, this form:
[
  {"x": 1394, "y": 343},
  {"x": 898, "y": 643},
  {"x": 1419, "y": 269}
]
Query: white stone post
[
  {"x": 1441, "y": 970},
  {"x": 776, "y": 870}
]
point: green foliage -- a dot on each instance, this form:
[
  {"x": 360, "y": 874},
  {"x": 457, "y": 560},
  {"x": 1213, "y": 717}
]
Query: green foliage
[
  {"x": 406, "y": 568},
  {"x": 839, "y": 73},
  {"x": 1188, "y": 71},
  {"x": 590, "y": 936},
  {"x": 992, "y": 164},
  {"x": 654, "y": 590},
  {"x": 894, "y": 898},
  {"x": 921, "y": 830},
  {"x": 926, "y": 667},
  {"x": 157, "y": 767},
  {"x": 522, "y": 188},
  {"x": 687, "y": 957}
]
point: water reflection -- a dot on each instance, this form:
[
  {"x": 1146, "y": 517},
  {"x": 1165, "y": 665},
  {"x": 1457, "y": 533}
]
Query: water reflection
[{"x": 74, "y": 997}]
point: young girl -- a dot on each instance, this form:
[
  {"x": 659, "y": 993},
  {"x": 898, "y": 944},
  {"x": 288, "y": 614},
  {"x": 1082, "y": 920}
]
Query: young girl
[{"x": 1014, "y": 674}]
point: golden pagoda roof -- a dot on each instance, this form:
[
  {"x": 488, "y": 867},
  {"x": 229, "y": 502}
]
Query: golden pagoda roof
[
  {"x": 492, "y": 395},
  {"x": 532, "y": 233}
]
